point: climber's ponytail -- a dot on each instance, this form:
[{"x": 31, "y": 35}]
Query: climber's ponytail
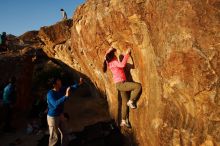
[{"x": 104, "y": 68}]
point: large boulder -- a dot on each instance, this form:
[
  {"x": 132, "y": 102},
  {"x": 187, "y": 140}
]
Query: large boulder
[
  {"x": 175, "y": 57},
  {"x": 30, "y": 37}
]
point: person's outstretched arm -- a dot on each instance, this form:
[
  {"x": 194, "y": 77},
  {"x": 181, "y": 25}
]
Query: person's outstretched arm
[
  {"x": 51, "y": 99},
  {"x": 76, "y": 85}
]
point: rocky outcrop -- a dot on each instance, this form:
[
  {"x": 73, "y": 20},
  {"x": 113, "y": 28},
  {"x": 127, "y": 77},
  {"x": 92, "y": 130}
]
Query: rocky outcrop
[
  {"x": 56, "y": 34},
  {"x": 175, "y": 57},
  {"x": 30, "y": 37},
  {"x": 56, "y": 38}
]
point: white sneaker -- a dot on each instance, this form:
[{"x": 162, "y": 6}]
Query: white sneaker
[
  {"x": 131, "y": 104},
  {"x": 124, "y": 123}
]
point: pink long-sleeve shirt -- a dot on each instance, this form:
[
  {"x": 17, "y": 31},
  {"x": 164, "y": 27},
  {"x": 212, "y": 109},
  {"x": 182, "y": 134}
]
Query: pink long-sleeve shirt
[{"x": 117, "y": 69}]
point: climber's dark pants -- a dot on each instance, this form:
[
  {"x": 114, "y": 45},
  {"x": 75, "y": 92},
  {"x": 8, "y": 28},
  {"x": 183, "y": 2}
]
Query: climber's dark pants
[{"x": 123, "y": 88}]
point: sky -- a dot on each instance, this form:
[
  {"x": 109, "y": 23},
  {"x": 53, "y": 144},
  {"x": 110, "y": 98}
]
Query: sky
[{"x": 20, "y": 16}]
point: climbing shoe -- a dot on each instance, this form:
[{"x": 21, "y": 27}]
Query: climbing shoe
[
  {"x": 125, "y": 123},
  {"x": 131, "y": 104}
]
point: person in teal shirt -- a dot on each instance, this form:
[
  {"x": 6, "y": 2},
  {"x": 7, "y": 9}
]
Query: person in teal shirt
[{"x": 9, "y": 99}]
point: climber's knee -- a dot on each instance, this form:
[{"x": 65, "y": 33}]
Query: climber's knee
[{"x": 138, "y": 87}]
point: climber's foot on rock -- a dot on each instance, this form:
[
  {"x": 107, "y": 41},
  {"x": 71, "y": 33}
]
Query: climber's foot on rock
[
  {"x": 131, "y": 104},
  {"x": 125, "y": 123}
]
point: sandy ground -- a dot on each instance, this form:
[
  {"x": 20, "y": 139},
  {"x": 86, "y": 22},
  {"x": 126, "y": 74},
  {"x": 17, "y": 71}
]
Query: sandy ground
[{"x": 83, "y": 111}]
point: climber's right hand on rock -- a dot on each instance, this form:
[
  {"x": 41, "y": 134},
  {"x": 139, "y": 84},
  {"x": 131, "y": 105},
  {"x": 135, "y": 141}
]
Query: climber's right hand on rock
[{"x": 68, "y": 91}]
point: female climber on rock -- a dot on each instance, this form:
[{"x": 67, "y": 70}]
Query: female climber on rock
[{"x": 122, "y": 85}]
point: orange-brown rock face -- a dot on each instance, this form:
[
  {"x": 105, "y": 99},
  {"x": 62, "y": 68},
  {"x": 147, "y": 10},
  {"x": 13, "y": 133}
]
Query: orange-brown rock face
[
  {"x": 175, "y": 57},
  {"x": 57, "y": 40}
]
